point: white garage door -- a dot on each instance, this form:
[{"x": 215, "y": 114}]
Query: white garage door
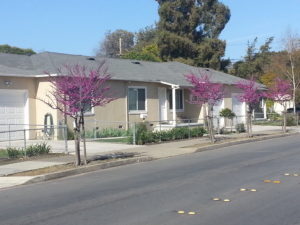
[
  {"x": 12, "y": 111},
  {"x": 238, "y": 108},
  {"x": 218, "y": 121}
]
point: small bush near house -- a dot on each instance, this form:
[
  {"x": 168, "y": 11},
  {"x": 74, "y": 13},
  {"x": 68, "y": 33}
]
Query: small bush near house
[
  {"x": 290, "y": 120},
  {"x": 227, "y": 113},
  {"x": 197, "y": 132},
  {"x": 143, "y": 136},
  {"x": 274, "y": 117},
  {"x": 181, "y": 133},
  {"x": 32, "y": 150},
  {"x": 111, "y": 132},
  {"x": 37, "y": 149},
  {"x": 14, "y": 153},
  {"x": 240, "y": 128}
]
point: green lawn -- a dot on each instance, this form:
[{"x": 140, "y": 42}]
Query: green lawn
[
  {"x": 268, "y": 123},
  {"x": 114, "y": 140},
  {"x": 3, "y": 154}
]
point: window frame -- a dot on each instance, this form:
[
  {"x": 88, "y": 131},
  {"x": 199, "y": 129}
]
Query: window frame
[
  {"x": 90, "y": 112},
  {"x": 177, "y": 110},
  {"x": 137, "y": 111}
]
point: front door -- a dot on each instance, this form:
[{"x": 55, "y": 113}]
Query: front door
[{"x": 162, "y": 97}]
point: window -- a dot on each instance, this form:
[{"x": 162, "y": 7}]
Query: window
[
  {"x": 137, "y": 98},
  {"x": 87, "y": 108},
  {"x": 179, "y": 99}
]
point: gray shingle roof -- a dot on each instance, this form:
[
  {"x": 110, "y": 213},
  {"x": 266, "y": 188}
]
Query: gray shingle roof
[{"x": 120, "y": 69}]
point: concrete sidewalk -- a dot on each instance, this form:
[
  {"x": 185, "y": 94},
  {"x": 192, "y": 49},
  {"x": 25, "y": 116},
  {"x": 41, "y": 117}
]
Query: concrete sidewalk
[{"x": 154, "y": 151}]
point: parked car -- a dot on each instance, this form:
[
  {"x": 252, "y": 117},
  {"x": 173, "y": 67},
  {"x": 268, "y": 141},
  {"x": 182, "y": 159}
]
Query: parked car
[{"x": 291, "y": 110}]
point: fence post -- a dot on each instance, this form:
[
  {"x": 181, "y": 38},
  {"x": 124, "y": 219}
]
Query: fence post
[
  {"x": 9, "y": 144},
  {"x": 25, "y": 143},
  {"x": 189, "y": 128},
  {"x": 66, "y": 138},
  {"x": 218, "y": 124},
  {"x": 133, "y": 134},
  {"x": 160, "y": 130},
  {"x": 95, "y": 129}
]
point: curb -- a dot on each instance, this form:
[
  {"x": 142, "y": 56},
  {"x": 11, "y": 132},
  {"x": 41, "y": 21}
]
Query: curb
[
  {"x": 245, "y": 141},
  {"x": 86, "y": 169}
]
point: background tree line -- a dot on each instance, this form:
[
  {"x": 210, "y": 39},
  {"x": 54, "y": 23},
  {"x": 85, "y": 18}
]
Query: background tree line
[{"x": 187, "y": 31}]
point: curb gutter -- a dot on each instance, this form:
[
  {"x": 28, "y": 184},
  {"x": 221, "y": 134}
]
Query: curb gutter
[
  {"x": 86, "y": 169},
  {"x": 244, "y": 141}
]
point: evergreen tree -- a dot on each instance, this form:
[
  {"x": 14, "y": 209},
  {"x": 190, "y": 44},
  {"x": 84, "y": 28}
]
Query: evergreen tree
[{"x": 189, "y": 30}]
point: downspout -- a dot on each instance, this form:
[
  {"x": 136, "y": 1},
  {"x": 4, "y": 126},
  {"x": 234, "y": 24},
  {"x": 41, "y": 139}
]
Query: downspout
[{"x": 126, "y": 107}]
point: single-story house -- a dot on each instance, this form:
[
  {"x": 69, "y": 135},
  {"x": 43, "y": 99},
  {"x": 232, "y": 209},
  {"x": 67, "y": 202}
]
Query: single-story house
[{"x": 151, "y": 91}]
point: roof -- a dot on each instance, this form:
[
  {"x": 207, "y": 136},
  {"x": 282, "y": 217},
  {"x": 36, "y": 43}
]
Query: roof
[{"x": 120, "y": 69}]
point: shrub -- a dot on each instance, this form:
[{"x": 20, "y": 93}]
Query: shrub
[
  {"x": 110, "y": 132},
  {"x": 181, "y": 133},
  {"x": 70, "y": 134},
  {"x": 143, "y": 136},
  {"x": 197, "y": 132},
  {"x": 14, "y": 153},
  {"x": 274, "y": 117},
  {"x": 227, "y": 113},
  {"x": 290, "y": 120},
  {"x": 240, "y": 128},
  {"x": 37, "y": 149}
]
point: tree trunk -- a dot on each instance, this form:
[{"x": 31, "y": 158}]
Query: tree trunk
[
  {"x": 77, "y": 143},
  {"x": 84, "y": 141},
  {"x": 210, "y": 124},
  {"x": 249, "y": 123},
  {"x": 284, "y": 119}
]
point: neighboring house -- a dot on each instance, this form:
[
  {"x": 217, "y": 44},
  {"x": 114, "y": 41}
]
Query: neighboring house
[{"x": 148, "y": 91}]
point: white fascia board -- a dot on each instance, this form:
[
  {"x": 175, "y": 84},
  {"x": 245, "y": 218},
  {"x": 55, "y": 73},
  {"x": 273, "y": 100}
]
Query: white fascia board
[{"x": 176, "y": 86}]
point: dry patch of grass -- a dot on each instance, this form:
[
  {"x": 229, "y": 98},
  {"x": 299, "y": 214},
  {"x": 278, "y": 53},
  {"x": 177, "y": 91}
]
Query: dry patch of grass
[{"x": 50, "y": 169}]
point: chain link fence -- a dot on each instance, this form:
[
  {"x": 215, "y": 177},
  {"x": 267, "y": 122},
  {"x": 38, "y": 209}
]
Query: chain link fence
[{"x": 22, "y": 135}]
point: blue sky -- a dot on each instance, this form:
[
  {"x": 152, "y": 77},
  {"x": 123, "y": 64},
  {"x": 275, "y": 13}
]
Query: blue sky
[{"x": 77, "y": 27}]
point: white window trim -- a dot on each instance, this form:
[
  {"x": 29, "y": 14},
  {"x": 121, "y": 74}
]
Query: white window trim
[
  {"x": 178, "y": 110},
  {"x": 91, "y": 113},
  {"x": 132, "y": 112}
]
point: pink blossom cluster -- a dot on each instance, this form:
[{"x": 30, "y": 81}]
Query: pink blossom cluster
[
  {"x": 251, "y": 93},
  {"x": 203, "y": 90},
  {"x": 281, "y": 91},
  {"x": 76, "y": 87}
]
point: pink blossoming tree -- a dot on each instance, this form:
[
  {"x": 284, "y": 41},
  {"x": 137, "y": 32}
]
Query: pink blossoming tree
[
  {"x": 281, "y": 92},
  {"x": 205, "y": 92},
  {"x": 76, "y": 89},
  {"x": 251, "y": 95}
]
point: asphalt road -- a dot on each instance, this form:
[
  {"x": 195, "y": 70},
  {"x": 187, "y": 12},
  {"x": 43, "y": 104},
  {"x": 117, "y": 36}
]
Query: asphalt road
[{"x": 151, "y": 193}]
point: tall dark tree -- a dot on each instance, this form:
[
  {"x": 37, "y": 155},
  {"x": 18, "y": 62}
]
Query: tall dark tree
[
  {"x": 16, "y": 50},
  {"x": 110, "y": 46},
  {"x": 189, "y": 30}
]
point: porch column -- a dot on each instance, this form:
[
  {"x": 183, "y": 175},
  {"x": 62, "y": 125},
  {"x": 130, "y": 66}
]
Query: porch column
[
  {"x": 174, "y": 104},
  {"x": 264, "y": 103}
]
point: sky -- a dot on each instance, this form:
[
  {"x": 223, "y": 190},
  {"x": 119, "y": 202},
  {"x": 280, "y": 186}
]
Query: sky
[{"x": 77, "y": 26}]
